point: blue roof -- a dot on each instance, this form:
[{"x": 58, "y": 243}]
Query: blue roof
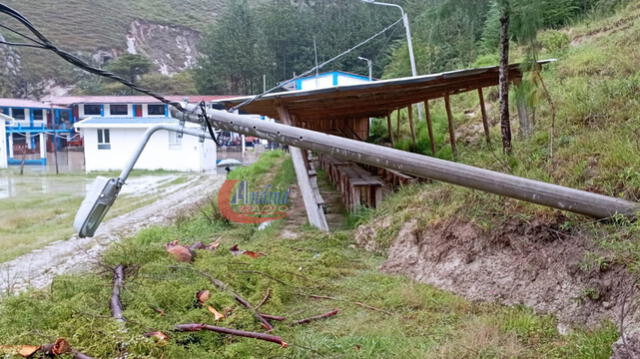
[{"x": 128, "y": 120}]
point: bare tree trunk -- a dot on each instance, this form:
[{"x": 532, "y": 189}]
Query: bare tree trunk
[{"x": 505, "y": 124}]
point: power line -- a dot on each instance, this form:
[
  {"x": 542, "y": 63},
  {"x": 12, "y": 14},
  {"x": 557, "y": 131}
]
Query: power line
[{"x": 342, "y": 54}]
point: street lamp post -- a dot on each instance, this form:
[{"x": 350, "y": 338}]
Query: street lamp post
[
  {"x": 370, "y": 64},
  {"x": 407, "y": 27}
]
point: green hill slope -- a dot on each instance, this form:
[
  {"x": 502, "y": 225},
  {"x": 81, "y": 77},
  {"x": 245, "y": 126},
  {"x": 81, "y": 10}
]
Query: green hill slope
[{"x": 86, "y": 25}]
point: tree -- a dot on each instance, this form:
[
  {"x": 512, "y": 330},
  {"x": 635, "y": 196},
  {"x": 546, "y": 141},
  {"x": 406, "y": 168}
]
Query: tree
[
  {"x": 505, "y": 122},
  {"x": 235, "y": 53},
  {"x": 130, "y": 66}
]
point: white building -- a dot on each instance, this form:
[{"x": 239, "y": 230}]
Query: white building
[
  {"x": 4, "y": 147},
  {"x": 109, "y": 143},
  {"x": 326, "y": 80}
]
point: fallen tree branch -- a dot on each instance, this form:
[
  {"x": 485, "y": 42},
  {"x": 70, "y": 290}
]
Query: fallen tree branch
[
  {"x": 265, "y": 299},
  {"x": 240, "y": 333},
  {"x": 115, "y": 302},
  {"x": 317, "y": 317},
  {"x": 273, "y": 317},
  {"x": 225, "y": 288}
]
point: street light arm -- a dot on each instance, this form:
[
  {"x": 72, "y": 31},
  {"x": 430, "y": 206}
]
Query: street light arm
[{"x": 386, "y": 4}]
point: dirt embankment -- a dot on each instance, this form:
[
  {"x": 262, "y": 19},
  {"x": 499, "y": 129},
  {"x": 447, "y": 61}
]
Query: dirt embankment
[{"x": 535, "y": 264}]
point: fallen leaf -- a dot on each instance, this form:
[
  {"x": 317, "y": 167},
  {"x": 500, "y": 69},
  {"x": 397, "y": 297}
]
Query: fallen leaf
[
  {"x": 160, "y": 311},
  {"x": 24, "y": 351},
  {"x": 253, "y": 254},
  {"x": 237, "y": 251},
  {"x": 159, "y": 336},
  {"x": 203, "y": 296},
  {"x": 217, "y": 315},
  {"x": 179, "y": 252}
]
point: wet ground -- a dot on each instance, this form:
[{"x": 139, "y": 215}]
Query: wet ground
[{"x": 37, "y": 211}]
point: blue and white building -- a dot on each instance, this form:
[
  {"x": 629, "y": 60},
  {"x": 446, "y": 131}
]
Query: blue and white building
[
  {"x": 326, "y": 80},
  {"x": 31, "y": 127}
]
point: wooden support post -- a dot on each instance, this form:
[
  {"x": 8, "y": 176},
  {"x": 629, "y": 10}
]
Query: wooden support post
[
  {"x": 485, "y": 119},
  {"x": 452, "y": 134},
  {"x": 398, "y": 125},
  {"x": 411, "y": 126},
  {"x": 315, "y": 212},
  {"x": 390, "y": 130},
  {"x": 430, "y": 126}
]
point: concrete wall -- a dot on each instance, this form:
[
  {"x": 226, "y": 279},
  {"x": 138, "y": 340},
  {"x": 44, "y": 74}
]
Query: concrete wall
[
  {"x": 161, "y": 152},
  {"x": 3, "y": 144}
]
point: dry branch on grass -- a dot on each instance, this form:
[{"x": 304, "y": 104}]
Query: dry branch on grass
[
  {"x": 115, "y": 302},
  {"x": 317, "y": 317},
  {"x": 273, "y": 317},
  {"x": 225, "y": 288},
  {"x": 240, "y": 333},
  {"x": 265, "y": 299}
]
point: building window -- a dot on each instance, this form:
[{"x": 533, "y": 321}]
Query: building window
[
  {"x": 38, "y": 115},
  {"x": 175, "y": 141},
  {"x": 92, "y": 110},
  {"x": 18, "y": 113},
  {"x": 119, "y": 110},
  {"x": 104, "y": 139},
  {"x": 155, "y": 110}
]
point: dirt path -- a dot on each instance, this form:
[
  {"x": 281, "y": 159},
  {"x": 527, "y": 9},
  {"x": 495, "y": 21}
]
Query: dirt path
[{"x": 38, "y": 268}]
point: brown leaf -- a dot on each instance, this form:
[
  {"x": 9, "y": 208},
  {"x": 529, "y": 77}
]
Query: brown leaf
[
  {"x": 24, "y": 351},
  {"x": 237, "y": 251},
  {"x": 203, "y": 296},
  {"x": 159, "y": 336},
  {"x": 179, "y": 252},
  {"x": 217, "y": 315},
  {"x": 253, "y": 254}
]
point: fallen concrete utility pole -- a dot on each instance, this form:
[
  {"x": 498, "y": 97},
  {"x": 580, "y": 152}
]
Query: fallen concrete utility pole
[{"x": 546, "y": 194}]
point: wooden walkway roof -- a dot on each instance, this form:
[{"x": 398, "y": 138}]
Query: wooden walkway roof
[{"x": 375, "y": 99}]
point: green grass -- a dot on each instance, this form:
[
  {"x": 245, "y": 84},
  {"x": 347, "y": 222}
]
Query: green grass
[{"x": 422, "y": 322}]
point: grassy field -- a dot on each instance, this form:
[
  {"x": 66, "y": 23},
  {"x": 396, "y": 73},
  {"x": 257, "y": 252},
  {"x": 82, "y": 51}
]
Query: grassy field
[
  {"x": 381, "y": 316},
  {"x": 45, "y": 207}
]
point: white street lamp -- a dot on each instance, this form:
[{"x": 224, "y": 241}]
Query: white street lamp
[
  {"x": 407, "y": 26},
  {"x": 370, "y": 64}
]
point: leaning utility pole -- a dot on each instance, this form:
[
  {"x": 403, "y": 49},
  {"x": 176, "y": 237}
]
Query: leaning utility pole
[{"x": 546, "y": 194}]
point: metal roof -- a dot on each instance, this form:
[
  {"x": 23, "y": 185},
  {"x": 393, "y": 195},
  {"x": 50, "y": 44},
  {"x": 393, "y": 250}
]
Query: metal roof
[
  {"x": 20, "y": 103},
  {"x": 124, "y": 122},
  {"x": 72, "y": 100},
  {"x": 374, "y": 99}
]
